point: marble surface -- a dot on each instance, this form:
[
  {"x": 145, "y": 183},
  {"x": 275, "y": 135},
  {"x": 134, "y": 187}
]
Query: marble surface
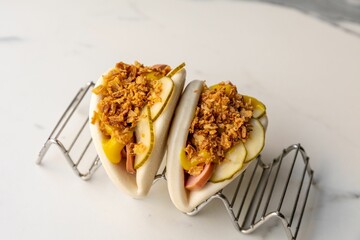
[{"x": 307, "y": 72}]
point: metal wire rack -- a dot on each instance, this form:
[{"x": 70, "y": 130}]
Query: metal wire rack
[
  {"x": 252, "y": 199},
  {"x": 58, "y": 132},
  {"x": 262, "y": 192}
]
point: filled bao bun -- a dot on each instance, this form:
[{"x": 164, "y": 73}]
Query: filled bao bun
[
  {"x": 138, "y": 185},
  {"x": 186, "y": 200}
]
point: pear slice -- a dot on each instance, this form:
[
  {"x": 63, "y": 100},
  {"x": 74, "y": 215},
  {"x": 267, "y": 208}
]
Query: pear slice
[
  {"x": 264, "y": 121},
  {"x": 167, "y": 89},
  {"x": 176, "y": 70},
  {"x": 144, "y": 133},
  {"x": 259, "y": 108},
  {"x": 218, "y": 86},
  {"x": 232, "y": 164},
  {"x": 255, "y": 143}
]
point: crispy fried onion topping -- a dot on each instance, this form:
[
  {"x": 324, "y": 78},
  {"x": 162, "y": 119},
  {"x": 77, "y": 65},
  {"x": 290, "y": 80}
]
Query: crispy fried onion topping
[
  {"x": 221, "y": 120},
  {"x": 125, "y": 90}
]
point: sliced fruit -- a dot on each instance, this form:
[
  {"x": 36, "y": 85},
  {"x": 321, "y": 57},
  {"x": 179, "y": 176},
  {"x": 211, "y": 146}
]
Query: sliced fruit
[
  {"x": 255, "y": 143},
  {"x": 144, "y": 133},
  {"x": 232, "y": 163},
  {"x": 175, "y": 70},
  {"x": 264, "y": 121},
  {"x": 167, "y": 90},
  {"x": 198, "y": 182},
  {"x": 259, "y": 107},
  {"x": 153, "y": 76},
  {"x": 112, "y": 149},
  {"x": 218, "y": 86}
]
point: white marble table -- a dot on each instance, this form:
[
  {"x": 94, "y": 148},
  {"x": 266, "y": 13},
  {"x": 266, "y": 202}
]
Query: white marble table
[{"x": 305, "y": 70}]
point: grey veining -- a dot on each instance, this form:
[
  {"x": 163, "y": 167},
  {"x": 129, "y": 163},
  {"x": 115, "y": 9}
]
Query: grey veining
[
  {"x": 344, "y": 196},
  {"x": 334, "y": 12},
  {"x": 10, "y": 39},
  {"x": 331, "y": 10},
  {"x": 134, "y": 15}
]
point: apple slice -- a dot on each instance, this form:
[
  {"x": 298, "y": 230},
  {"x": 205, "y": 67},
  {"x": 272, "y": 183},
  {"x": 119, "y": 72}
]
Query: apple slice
[
  {"x": 144, "y": 132},
  {"x": 232, "y": 163},
  {"x": 259, "y": 108},
  {"x": 255, "y": 143},
  {"x": 167, "y": 90}
]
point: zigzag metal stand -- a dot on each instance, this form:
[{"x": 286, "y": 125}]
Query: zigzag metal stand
[{"x": 260, "y": 193}]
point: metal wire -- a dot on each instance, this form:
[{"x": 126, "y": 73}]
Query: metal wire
[
  {"x": 256, "y": 221},
  {"x": 253, "y": 191},
  {"x": 55, "y": 135}
]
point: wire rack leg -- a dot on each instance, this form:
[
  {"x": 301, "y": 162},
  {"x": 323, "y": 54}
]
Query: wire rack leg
[
  {"x": 56, "y": 133},
  {"x": 250, "y": 214}
]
